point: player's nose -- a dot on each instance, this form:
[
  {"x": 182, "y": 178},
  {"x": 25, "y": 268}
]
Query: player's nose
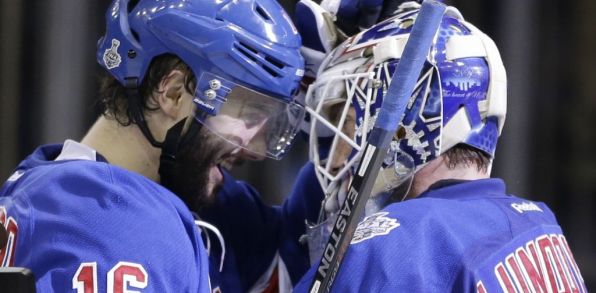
[{"x": 340, "y": 157}]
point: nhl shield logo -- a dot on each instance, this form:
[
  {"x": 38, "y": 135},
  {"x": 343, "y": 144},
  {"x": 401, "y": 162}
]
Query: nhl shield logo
[
  {"x": 111, "y": 58},
  {"x": 374, "y": 225}
]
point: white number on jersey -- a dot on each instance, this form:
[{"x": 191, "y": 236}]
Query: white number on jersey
[{"x": 122, "y": 276}]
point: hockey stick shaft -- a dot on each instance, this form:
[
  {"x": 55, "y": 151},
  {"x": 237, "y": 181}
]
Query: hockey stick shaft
[{"x": 402, "y": 84}]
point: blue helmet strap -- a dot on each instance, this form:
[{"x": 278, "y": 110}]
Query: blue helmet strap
[{"x": 135, "y": 108}]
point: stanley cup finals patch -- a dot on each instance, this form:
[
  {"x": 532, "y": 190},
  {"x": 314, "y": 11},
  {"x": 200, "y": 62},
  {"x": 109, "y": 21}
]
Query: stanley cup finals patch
[
  {"x": 111, "y": 58},
  {"x": 374, "y": 225}
]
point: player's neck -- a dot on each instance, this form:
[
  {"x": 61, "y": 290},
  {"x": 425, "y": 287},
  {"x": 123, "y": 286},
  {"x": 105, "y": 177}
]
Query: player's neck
[
  {"x": 438, "y": 170},
  {"x": 124, "y": 146}
]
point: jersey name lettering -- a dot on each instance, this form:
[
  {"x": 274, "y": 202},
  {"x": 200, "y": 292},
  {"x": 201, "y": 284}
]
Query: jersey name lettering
[{"x": 545, "y": 264}]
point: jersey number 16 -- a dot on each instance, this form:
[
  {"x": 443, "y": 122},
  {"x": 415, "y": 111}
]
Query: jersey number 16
[{"x": 120, "y": 277}]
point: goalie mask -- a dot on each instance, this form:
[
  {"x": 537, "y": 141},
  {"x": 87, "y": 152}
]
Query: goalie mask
[{"x": 460, "y": 98}]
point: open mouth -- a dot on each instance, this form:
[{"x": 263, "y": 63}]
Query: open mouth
[
  {"x": 227, "y": 161},
  {"x": 227, "y": 164},
  {"x": 224, "y": 162}
]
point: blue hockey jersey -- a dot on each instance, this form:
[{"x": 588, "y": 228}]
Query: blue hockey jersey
[
  {"x": 261, "y": 241},
  {"x": 462, "y": 237},
  {"x": 87, "y": 226}
]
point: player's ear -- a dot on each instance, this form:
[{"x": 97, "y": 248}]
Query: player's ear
[{"x": 170, "y": 92}]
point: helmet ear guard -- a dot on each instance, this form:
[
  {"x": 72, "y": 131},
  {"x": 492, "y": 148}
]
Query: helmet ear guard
[{"x": 119, "y": 50}]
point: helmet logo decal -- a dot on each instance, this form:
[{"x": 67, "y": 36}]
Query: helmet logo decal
[
  {"x": 200, "y": 102},
  {"x": 374, "y": 225},
  {"x": 464, "y": 83},
  {"x": 111, "y": 58}
]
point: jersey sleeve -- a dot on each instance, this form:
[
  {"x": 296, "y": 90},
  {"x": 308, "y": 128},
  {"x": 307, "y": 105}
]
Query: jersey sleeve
[
  {"x": 302, "y": 205},
  {"x": 87, "y": 225}
]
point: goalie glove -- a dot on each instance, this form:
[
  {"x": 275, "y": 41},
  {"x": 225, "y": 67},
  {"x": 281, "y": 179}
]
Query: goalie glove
[
  {"x": 319, "y": 35},
  {"x": 353, "y": 16}
]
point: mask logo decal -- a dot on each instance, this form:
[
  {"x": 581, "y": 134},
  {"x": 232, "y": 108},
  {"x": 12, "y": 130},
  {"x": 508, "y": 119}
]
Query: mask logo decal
[{"x": 111, "y": 58}]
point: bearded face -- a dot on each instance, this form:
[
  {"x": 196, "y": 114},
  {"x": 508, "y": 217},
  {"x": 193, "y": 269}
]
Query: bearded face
[{"x": 196, "y": 176}]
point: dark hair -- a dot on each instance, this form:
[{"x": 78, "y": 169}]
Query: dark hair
[
  {"x": 114, "y": 103},
  {"x": 463, "y": 154}
]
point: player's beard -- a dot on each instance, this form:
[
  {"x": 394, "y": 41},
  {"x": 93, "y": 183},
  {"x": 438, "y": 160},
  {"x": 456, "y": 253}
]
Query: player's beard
[{"x": 190, "y": 176}]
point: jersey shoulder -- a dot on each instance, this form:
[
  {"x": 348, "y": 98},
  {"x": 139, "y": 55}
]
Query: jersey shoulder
[
  {"x": 426, "y": 243},
  {"x": 81, "y": 184},
  {"x": 96, "y": 216}
]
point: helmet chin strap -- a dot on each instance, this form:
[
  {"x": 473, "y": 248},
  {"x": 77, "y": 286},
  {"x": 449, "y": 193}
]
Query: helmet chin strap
[
  {"x": 170, "y": 147},
  {"x": 136, "y": 106},
  {"x": 174, "y": 137}
]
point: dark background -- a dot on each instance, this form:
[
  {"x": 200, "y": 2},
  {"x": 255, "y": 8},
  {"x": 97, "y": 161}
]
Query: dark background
[{"x": 48, "y": 91}]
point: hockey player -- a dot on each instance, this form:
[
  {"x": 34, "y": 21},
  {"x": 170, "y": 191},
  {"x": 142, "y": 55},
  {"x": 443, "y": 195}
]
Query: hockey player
[
  {"x": 255, "y": 247},
  {"x": 192, "y": 86},
  {"x": 436, "y": 221},
  {"x": 259, "y": 248}
]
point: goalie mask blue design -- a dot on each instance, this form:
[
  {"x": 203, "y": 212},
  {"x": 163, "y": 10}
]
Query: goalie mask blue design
[{"x": 460, "y": 97}]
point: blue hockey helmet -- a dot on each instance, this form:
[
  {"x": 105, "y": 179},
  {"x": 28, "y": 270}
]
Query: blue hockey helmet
[
  {"x": 460, "y": 97},
  {"x": 237, "y": 50}
]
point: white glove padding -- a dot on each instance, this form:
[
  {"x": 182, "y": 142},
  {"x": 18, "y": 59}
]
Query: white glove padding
[
  {"x": 318, "y": 32},
  {"x": 319, "y": 37},
  {"x": 354, "y": 16}
]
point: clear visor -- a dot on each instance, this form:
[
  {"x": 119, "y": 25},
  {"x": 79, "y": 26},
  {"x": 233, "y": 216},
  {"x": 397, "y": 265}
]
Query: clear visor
[{"x": 260, "y": 124}]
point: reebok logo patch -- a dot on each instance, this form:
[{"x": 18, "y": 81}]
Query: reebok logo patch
[{"x": 525, "y": 207}]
